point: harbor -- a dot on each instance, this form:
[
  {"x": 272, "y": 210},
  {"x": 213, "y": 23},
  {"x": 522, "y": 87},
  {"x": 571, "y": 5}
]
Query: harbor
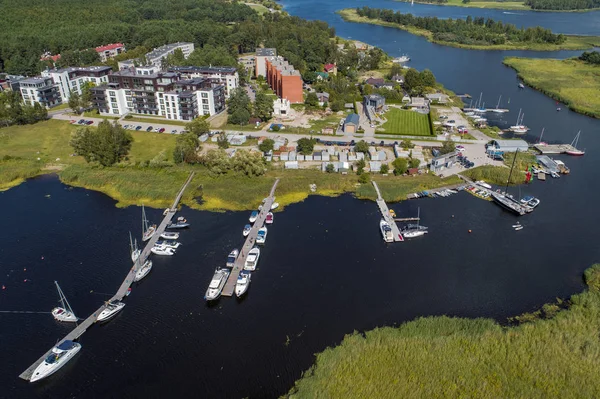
[
  {"x": 124, "y": 288},
  {"x": 387, "y": 216}
]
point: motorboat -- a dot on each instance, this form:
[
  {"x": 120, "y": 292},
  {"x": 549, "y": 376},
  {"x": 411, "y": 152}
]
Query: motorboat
[
  {"x": 253, "y": 216},
  {"x": 483, "y": 184},
  {"x": 216, "y": 284},
  {"x": 262, "y": 235},
  {"x": 181, "y": 219},
  {"x": 269, "y": 219},
  {"x": 386, "y": 231},
  {"x": 162, "y": 250},
  {"x": 521, "y": 86},
  {"x": 274, "y": 205},
  {"x": 243, "y": 283},
  {"x": 178, "y": 225},
  {"x": 526, "y": 199},
  {"x": 232, "y": 257},
  {"x": 252, "y": 259},
  {"x": 111, "y": 310},
  {"x": 58, "y": 357},
  {"x": 246, "y": 230},
  {"x": 147, "y": 229},
  {"x": 63, "y": 312},
  {"x": 169, "y": 235},
  {"x": 135, "y": 251},
  {"x": 533, "y": 202},
  {"x": 168, "y": 243},
  {"x": 413, "y": 233},
  {"x": 143, "y": 270}
]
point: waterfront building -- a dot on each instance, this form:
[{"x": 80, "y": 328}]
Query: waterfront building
[
  {"x": 40, "y": 90},
  {"x": 509, "y": 145},
  {"x": 110, "y": 50},
  {"x": 72, "y": 80},
  {"x": 227, "y": 76},
  {"x": 444, "y": 161},
  {"x": 156, "y": 56},
  {"x": 260, "y": 60}
]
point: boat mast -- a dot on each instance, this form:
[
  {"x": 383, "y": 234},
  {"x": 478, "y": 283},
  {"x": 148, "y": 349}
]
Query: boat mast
[
  {"x": 510, "y": 174},
  {"x": 575, "y": 140},
  {"x": 63, "y": 299},
  {"x": 541, "y": 135},
  {"x": 144, "y": 220},
  {"x": 518, "y": 116},
  {"x": 498, "y": 105},
  {"x": 130, "y": 242}
]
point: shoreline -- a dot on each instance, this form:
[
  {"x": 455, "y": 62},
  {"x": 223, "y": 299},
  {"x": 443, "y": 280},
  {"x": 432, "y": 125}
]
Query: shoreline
[
  {"x": 497, "y": 5},
  {"x": 576, "y": 42}
]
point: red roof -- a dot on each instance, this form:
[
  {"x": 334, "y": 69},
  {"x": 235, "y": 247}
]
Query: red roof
[
  {"x": 329, "y": 67},
  {"x": 111, "y": 46},
  {"x": 50, "y": 57}
]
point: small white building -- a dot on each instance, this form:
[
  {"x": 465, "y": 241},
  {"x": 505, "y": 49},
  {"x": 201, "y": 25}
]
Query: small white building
[
  {"x": 292, "y": 156},
  {"x": 281, "y": 107},
  {"x": 291, "y": 165},
  {"x": 308, "y": 157},
  {"x": 285, "y": 156},
  {"x": 375, "y": 166},
  {"x": 299, "y": 157}
]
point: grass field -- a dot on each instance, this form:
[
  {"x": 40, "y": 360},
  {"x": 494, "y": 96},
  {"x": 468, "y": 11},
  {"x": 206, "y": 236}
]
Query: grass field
[
  {"x": 405, "y": 122},
  {"x": 554, "y": 355},
  {"x": 153, "y": 120},
  {"x": 573, "y": 82}
]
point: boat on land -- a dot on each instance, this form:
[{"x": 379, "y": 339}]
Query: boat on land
[
  {"x": 64, "y": 311},
  {"x": 483, "y": 184},
  {"x": 169, "y": 235},
  {"x": 148, "y": 230},
  {"x": 58, "y": 357},
  {"x": 252, "y": 259},
  {"x": 275, "y": 205},
  {"x": 575, "y": 151},
  {"x": 168, "y": 243},
  {"x": 162, "y": 250},
  {"x": 253, "y": 217},
  {"x": 386, "y": 231},
  {"x": 111, "y": 310},
  {"x": 143, "y": 270},
  {"x": 246, "y": 230},
  {"x": 269, "y": 219},
  {"x": 242, "y": 284},
  {"x": 135, "y": 251},
  {"x": 232, "y": 257},
  {"x": 216, "y": 284},
  {"x": 262, "y": 235}
]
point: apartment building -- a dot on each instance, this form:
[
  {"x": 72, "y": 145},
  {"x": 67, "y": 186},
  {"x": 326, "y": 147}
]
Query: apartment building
[
  {"x": 155, "y": 57},
  {"x": 71, "y": 80},
  {"x": 41, "y": 90},
  {"x": 260, "y": 68},
  {"x": 227, "y": 76},
  {"x": 110, "y": 50},
  {"x": 191, "y": 98},
  {"x": 284, "y": 79}
]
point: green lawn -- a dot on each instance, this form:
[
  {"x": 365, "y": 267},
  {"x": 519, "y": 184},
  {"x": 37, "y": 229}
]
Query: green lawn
[
  {"x": 403, "y": 122},
  {"x": 154, "y": 120}
]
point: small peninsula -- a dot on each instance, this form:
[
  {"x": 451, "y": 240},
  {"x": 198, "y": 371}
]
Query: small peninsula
[
  {"x": 527, "y": 5},
  {"x": 472, "y": 33}
]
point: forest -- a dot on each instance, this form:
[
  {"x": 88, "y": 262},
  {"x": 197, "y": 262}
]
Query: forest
[
  {"x": 471, "y": 31},
  {"x": 217, "y": 28},
  {"x": 562, "y": 4}
]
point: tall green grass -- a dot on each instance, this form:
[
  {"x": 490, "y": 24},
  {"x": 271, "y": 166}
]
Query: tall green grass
[
  {"x": 444, "y": 357},
  {"x": 14, "y": 171}
]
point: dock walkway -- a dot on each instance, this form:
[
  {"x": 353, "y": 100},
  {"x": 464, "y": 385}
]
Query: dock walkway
[
  {"x": 385, "y": 212},
  {"x": 250, "y": 241},
  {"x": 122, "y": 291},
  {"x": 554, "y": 148}
]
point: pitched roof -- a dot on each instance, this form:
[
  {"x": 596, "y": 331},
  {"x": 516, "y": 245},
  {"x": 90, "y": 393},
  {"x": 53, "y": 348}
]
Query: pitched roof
[
  {"x": 375, "y": 81},
  {"x": 353, "y": 118},
  {"x": 111, "y": 46},
  {"x": 329, "y": 67}
]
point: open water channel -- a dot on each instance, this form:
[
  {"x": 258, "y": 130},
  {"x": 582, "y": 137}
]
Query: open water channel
[{"x": 324, "y": 271}]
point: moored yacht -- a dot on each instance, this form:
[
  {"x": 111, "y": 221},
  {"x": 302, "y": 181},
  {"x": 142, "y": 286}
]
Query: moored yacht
[
  {"x": 63, "y": 312},
  {"x": 111, "y": 310},
  {"x": 147, "y": 229},
  {"x": 386, "y": 231},
  {"x": 413, "y": 233},
  {"x": 253, "y": 216},
  {"x": 246, "y": 230},
  {"x": 216, "y": 284},
  {"x": 58, "y": 357},
  {"x": 262, "y": 235},
  {"x": 242, "y": 284},
  {"x": 169, "y": 235},
  {"x": 252, "y": 259},
  {"x": 269, "y": 219},
  {"x": 178, "y": 225},
  {"x": 162, "y": 250},
  {"x": 232, "y": 257},
  {"x": 135, "y": 251},
  {"x": 483, "y": 184},
  {"x": 143, "y": 270},
  {"x": 168, "y": 243}
]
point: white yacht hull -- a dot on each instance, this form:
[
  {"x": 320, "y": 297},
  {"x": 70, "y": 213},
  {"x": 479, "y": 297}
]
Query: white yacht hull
[
  {"x": 61, "y": 314},
  {"x": 169, "y": 235},
  {"x": 135, "y": 255},
  {"x": 108, "y": 313},
  {"x": 45, "y": 369},
  {"x": 252, "y": 259},
  {"x": 143, "y": 272},
  {"x": 241, "y": 289},
  {"x": 163, "y": 251}
]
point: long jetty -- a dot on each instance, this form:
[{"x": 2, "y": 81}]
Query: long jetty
[
  {"x": 238, "y": 266},
  {"x": 385, "y": 212},
  {"x": 122, "y": 291}
]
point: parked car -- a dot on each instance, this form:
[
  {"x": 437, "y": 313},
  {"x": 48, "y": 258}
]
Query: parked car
[
  {"x": 460, "y": 147},
  {"x": 161, "y": 130},
  {"x": 381, "y": 143},
  {"x": 174, "y": 131},
  {"x": 138, "y": 128},
  {"x": 72, "y": 121},
  {"x": 81, "y": 121},
  {"x": 89, "y": 122},
  {"x": 149, "y": 129},
  {"x": 157, "y": 130}
]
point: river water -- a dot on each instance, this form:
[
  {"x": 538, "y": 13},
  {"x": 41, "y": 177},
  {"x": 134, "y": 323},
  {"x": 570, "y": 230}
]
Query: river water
[{"x": 324, "y": 272}]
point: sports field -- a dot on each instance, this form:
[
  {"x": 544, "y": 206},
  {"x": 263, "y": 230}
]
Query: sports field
[{"x": 408, "y": 123}]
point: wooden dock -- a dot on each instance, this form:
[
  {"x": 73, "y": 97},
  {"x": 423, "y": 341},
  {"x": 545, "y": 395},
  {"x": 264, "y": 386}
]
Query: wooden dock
[
  {"x": 436, "y": 190},
  {"x": 554, "y": 148},
  {"x": 385, "y": 212},
  {"x": 122, "y": 291},
  {"x": 238, "y": 266}
]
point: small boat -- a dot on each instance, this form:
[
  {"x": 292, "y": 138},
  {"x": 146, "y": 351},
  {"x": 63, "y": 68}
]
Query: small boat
[
  {"x": 147, "y": 229},
  {"x": 135, "y": 251},
  {"x": 232, "y": 257},
  {"x": 181, "y": 219},
  {"x": 216, "y": 284},
  {"x": 252, "y": 259},
  {"x": 168, "y": 243},
  {"x": 269, "y": 219},
  {"x": 557, "y": 109},
  {"x": 246, "y": 230},
  {"x": 575, "y": 151},
  {"x": 253, "y": 216},
  {"x": 519, "y": 128},
  {"x": 242, "y": 283},
  {"x": 275, "y": 205},
  {"x": 392, "y": 213},
  {"x": 521, "y": 86},
  {"x": 178, "y": 225},
  {"x": 516, "y": 225},
  {"x": 128, "y": 291},
  {"x": 58, "y": 357},
  {"x": 386, "y": 231},
  {"x": 262, "y": 235},
  {"x": 111, "y": 310},
  {"x": 143, "y": 270},
  {"x": 169, "y": 235},
  {"x": 534, "y": 202},
  {"x": 413, "y": 233},
  {"x": 526, "y": 199},
  {"x": 519, "y": 228},
  {"x": 162, "y": 250},
  {"x": 63, "y": 312}
]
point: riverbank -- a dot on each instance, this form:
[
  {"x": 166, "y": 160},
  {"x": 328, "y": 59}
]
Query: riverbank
[
  {"x": 572, "y": 82},
  {"x": 572, "y": 43},
  {"x": 553, "y": 353},
  {"x": 497, "y": 5}
]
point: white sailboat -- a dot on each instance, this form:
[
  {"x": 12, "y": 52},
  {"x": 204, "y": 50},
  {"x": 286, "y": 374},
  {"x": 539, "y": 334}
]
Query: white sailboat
[
  {"x": 143, "y": 270},
  {"x": 519, "y": 128},
  {"x": 147, "y": 230},
  {"x": 135, "y": 251},
  {"x": 63, "y": 312},
  {"x": 497, "y": 109},
  {"x": 575, "y": 151}
]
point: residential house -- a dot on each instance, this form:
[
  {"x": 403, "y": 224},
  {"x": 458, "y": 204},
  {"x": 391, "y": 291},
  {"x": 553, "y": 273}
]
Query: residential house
[
  {"x": 325, "y": 156},
  {"x": 322, "y": 76},
  {"x": 284, "y": 79},
  {"x": 375, "y": 81},
  {"x": 375, "y": 166},
  {"x": 40, "y": 90},
  {"x": 439, "y": 98},
  {"x": 343, "y": 156},
  {"x": 308, "y": 157},
  {"x": 330, "y": 68},
  {"x": 398, "y": 79},
  {"x": 292, "y": 156},
  {"x": 406, "y": 99},
  {"x": 317, "y": 156},
  {"x": 444, "y": 161},
  {"x": 351, "y": 123},
  {"x": 72, "y": 80},
  {"x": 376, "y": 101},
  {"x": 418, "y": 102},
  {"x": 352, "y": 156},
  {"x": 299, "y": 157},
  {"x": 281, "y": 107},
  {"x": 284, "y": 156},
  {"x": 323, "y": 98},
  {"x": 110, "y": 51}
]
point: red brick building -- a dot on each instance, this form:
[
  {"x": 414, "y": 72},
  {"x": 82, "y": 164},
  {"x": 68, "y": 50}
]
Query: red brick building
[{"x": 284, "y": 79}]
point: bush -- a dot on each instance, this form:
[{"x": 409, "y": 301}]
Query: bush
[
  {"x": 400, "y": 166},
  {"x": 364, "y": 178},
  {"x": 361, "y": 146},
  {"x": 384, "y": 168},
  {"x": 330, "y": 168},
  {"x": 267, "y": 145},
  {"x": 306, "y": 146}
]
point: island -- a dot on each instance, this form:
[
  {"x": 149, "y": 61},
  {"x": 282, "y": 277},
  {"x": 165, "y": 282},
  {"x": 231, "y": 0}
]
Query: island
[
  {"x": 534, "y": 5},
  {"x": 472, "y": 33},
  {"x": 574, "y": 82}
]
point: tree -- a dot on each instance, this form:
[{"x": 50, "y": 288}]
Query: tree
[
  {"x": 427, "y": 78},
  {"x": 312, "y": 100},
  {"x": 309, "y": 77},
  {"x": 406, "y": 144},
  {"x": 400, "y": 166},
  {"x": 222, "y": 141},
  {"x": 360, "y": 166},
  {"x": 240, "y": 116},
  {"x": 263, "y": 107},
  {"x": 85, "y": 100},
  {"x": 384, "y": 168},
  {"x": 186, "y": 147},
  {"x": 107, "y": 144},
  {"x": 239, "y": 100},
  {"x": 198, "y": 127},
  {"x": 306, "y": 146},
  {"x": 361, "y": 146},
  {"x": 337, "y": 105},
  {"x": 74, "y": 101},
  {"x": 364, "y": 178},
  {"x": 330, "y": 168},
  {"x": 267, "y": 145},
  {"x": 414, "y": 163},
  {"x": 448, "y": 146}
]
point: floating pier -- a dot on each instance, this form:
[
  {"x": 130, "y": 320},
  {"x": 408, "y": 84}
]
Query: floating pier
[
  {"x": 554, "y": 148},
  {"x": 238, "y": 266},
  {"x": 385, "y": 212},
  {"x": 122, "y": 291}
]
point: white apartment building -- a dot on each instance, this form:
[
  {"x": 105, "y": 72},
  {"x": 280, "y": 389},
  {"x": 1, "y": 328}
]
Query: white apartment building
[
  {"x": 40, "y": 90},
  {"x": 71, "y": 80},
  {"x": 110, "y": 50},
  {"x": 227, "y": 76},
  {"x": 156, "y": 56}
]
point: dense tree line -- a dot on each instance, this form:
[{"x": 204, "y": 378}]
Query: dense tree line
[
  {"x": 591, "y": 57},
  {"x": 14, "y": 112},
  {"x": 471, "y": 31},
  {"x": 562, "y": 4},
  {"x": 107, "y": 144}
]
